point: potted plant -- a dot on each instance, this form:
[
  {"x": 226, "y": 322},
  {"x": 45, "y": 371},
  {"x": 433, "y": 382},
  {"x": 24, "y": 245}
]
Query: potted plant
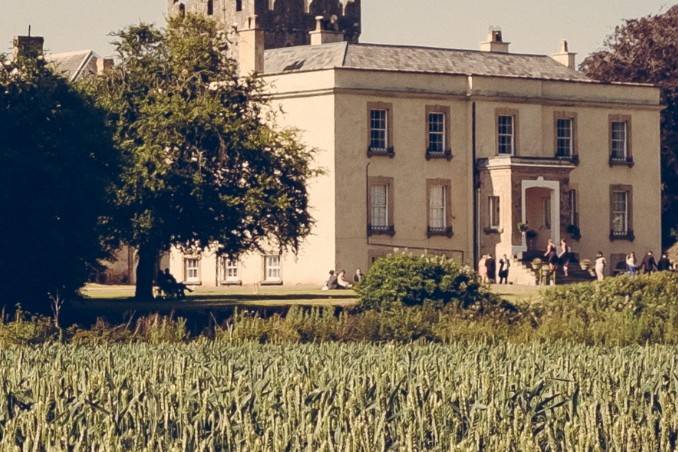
[
  {"x": 531, "y": 235},
  {"x": 574, "y": 231}
]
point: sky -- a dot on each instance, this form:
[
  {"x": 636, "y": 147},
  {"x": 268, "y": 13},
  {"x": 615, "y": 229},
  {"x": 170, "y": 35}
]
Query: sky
[{"x": 532, "y": 26}]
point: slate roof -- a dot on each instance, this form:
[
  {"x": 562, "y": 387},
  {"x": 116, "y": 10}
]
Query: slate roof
[
  {"x": 74, "y": 65},
  {"x": 416, "y": 59}
]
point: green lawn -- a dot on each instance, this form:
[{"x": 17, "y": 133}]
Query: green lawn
[
  {"x": 228, "y": 297},
  {"x": 102, "y": 295}
]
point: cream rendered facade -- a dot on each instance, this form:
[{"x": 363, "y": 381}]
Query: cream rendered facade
[{"x": 331, "y": 108}]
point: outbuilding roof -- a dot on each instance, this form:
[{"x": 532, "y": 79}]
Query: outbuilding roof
[
  {"x": 74, "y": 65},
  {"x": 379, "y": 57}
]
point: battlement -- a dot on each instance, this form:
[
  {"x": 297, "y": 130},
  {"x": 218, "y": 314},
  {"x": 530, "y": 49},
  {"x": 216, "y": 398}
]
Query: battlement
[{"x": 284, "y": 22}]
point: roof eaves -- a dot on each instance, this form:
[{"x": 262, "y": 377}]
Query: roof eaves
[{"x": 83, "y": 63}]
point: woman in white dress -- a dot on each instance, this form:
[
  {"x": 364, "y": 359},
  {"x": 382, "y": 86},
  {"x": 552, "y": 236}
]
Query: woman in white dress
[{"x": 600, "y": 265}]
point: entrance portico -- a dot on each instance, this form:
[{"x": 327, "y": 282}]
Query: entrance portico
[{"x": 525, "y": 192}]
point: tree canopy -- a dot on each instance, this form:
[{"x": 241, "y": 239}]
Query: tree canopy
[
  {"x": 646, "y": 50},
  {"x": 204, "y": 164},
  {"x": 57, "y": 166}
]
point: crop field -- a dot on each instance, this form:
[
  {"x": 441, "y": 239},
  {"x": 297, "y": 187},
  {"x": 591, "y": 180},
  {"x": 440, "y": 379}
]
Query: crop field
[{"x": 338, "y": 397}]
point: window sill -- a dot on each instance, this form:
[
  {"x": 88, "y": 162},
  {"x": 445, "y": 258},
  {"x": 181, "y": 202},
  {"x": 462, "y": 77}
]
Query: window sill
[
  {"x": 196, "y": 283},
  {"x": 380, "y": 152},
  {"x": 629, "y": 236},
  {"x": 271, "y": 283},
  {"x": 231, "y": 283},
  {"x": 490, "y": 230},
  {"x": 574, "y": 159},
  {"x": 380, "y": 230},
  {"x": 446, "y": 155},
  {"x": 440, "y": 232},
  {"x": 619, "y": 162}
]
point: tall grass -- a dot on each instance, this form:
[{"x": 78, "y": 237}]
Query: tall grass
[{"x": 349, "y": 397}]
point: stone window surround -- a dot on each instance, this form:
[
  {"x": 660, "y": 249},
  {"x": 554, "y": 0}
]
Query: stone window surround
[
  {"x": 491, "y": 214},
  {"x": 516, "y": 135},
  {"x": 225, "y": 281},
  {"x": 629, "y": 148},
  {"x": 198, "y": 281},
  {"x": 271, "y": 282},
  {"x": 629, "y": 207},
  {"x": 447, "y": 152},
  {"x": 575, "y": 139},
  {"x": 388, "y": 182},
  {"x": 388, "y": 107},
  {"x": 573, "y": 214},
  {"x": 447, "y": 183}
]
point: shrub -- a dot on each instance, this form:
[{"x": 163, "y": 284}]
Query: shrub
[
  {"x": 404, "y": 279},
  {"x": 654, "y": 294},
  {"x": 25, "y": 330}
]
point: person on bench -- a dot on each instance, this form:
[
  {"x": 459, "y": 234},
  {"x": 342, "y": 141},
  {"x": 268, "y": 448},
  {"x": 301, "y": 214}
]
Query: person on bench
[{"x": 170, "y": 286}]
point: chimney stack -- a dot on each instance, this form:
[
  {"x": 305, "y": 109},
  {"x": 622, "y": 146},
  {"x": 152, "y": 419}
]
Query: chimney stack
[
  {"x": 251, "y": 48},
  {"x": 28, "y": 46},
  {"x": 565, "y": 57},
  {"x": 321, "y": 35},
  {"x": 495, "y": 42},
  {"x": 104, "y": 65}
]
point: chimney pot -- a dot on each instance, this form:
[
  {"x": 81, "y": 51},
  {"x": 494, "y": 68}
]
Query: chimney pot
[
  {"x": 564, "y": 56},
  {"x": 495, "y": 42},
  {"x": 322, "y": 36},
  {"x": 28, "y": 46}
]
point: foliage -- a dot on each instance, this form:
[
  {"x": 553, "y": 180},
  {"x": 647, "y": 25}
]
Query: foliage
[
  {"x": 645, "y": 50},
  {"x": 357, "y": 397},
  {"x": 405, "y": 279},
  {"x": 25, "y": 330},
  {"x": 57, "y": 167},
  {"x": 655, "y": 294},
  {"x": 205, "y": 164}
]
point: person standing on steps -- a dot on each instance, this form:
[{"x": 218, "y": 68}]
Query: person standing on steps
[
  {"x": 564, "y": 257},
  {"x": 632, "y": 263},
  {"x": 600, "y": 265},
  {"x": 649, "y": 264},
  {"x": 664, "y": 263},
  {"x": 504, "y": 266},
  {"x": 482, "y": 269}
]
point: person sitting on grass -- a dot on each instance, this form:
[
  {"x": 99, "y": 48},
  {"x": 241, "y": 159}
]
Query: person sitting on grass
[
  {"x": 342, "y": 282},
  {"x": 331, "y": 283}
]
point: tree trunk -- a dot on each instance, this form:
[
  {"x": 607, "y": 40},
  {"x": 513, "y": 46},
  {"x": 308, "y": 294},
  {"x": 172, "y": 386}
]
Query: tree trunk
[{"x": 145, "y": 272}]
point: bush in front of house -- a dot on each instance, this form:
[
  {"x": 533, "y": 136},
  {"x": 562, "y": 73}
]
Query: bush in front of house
[
  {"x": 409, "y": 280},
  {"x": 652, "y": 294}
]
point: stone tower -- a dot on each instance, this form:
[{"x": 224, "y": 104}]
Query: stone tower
[{"x": 284, "y": 22}]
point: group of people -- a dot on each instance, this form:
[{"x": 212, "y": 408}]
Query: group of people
[
  {"x": 487, "y": 269},
  {"x": 338, "y": 281},
  {"x": 648, "y": 265},
  {"x": 560, "y": 257}
]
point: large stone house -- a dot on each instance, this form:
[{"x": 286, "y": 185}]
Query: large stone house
[{"x": 441, "y": 151}]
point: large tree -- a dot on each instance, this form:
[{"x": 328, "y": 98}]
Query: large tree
[
  {"x": 646, "y": 50},
  {"x": 204, "y": 165},
  {"x": 57, "y": 165}
]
